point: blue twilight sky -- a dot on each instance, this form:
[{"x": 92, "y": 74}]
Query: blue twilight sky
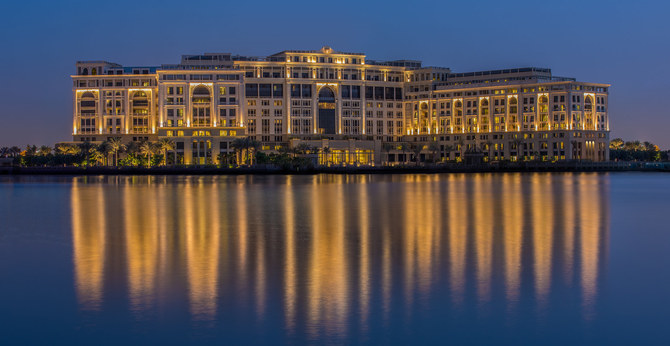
[{"x": 617, "y": 42}]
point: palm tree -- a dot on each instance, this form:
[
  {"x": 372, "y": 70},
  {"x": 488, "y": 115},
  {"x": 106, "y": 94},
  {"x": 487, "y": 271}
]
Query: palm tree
[
  {"x": 45, "y": 150},
  {"x": 84, "y": 148},
  {"x": 115, "y": 145},
  {"x": 165, "y": 145},
  {"x": 15, "y": 151},
  {"x": 416, "y": 149},
  {"x": 616, "y": 143},
  {"x": 4, "y": 151},
  {"x": 386, "y": 148},
  {"x": 95, "y": 156},
  {"x": 239, "y": 145},
  {"x": 147, "y": 149},
  {"x": 405, "y": 148},
  {"x": 649, "y": 146},
  {"x": 253, "y": 147},
  {"x": 133, "y": 148},
  {"x": 68, "y": 149},
  {"x": 31, "y": 150},
  {"x": 433, "y": 148},
  {"x": 104, "y": 149},
  {"x": 326, "y": 152}
]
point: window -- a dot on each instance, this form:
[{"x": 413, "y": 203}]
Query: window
[
  {"x": 251, "y": 90},
  {"x": 277, "y": 90}
]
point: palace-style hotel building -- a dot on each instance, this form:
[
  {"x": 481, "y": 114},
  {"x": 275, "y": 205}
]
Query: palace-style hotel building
[{"x": 361, "y": 110}]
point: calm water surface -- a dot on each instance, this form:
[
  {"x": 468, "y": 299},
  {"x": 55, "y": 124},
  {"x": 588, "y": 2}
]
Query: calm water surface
[{"x": 488, "y": 258}]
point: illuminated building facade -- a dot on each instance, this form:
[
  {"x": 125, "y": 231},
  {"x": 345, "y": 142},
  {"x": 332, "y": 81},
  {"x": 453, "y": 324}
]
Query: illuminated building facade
[{"x": 361, "y": 110}]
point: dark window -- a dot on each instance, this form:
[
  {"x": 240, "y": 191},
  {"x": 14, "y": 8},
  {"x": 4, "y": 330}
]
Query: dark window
[
  {"x": 346, "y": 91},
  {"x": 389, "y": 93},
  {"x": 355, "y": 92},
  {"x": 251, "y": 90},
  {"x": 306, "y": 90},
  {"x": 277, "y": 90},
  {"x": 369, "y": 92},
  {"x": 265, "y": 90},
  {"x": 398, "y": 94},
  {"x": 295, "y": 90},
  {"x": 231, "y": 91},
  {"x": 379, "y": 93}
]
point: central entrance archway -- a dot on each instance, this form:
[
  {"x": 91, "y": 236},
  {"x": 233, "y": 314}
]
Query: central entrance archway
[{"x": 327, "y": 111}]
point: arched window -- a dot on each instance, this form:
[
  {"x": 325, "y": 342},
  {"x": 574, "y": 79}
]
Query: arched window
[
  {"x": 485, "y": 103},
  {"x": 140, "y": 99},
  {"x": 588, "y": 103},
  {"x": 326, "y": 95},
  {"x": 201, "y": 91},
  {"x": 88, "y": 100},
  {"x": 458, "y": 104},
  {"x": 84, "y": 71},
  {"x": 544, "y": 99},
  {"x": 201, "y": 95},
  {"x": 94, "y": 71}
]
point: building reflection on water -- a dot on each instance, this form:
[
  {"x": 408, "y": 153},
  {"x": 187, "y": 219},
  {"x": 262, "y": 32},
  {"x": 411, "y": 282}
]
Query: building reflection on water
[{"x": 329, "y": 252}]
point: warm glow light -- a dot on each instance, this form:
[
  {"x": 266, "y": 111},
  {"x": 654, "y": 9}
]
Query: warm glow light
[{"x": 454, "y": 233}]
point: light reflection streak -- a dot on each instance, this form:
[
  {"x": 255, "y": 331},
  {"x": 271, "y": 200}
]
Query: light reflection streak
[
  {"x": 202, "y": 250},
  {"x": 513, "y": 235},
  {"x": 457, "y": 238},
  {"x": 88, "y": 242},
  {"x": 351, "y": 246},
  {"x": 483, "y": 235},
  {"x": 290, "y": 270},
  {"x": 541, "y": 209},
  {"x": 328, "y": 284},
  {"x": 570, "y": 208},
  {"x": 142, "y": 247},
  {"x": 590, "y": 243},
  {"x": 364, "y": 256}
]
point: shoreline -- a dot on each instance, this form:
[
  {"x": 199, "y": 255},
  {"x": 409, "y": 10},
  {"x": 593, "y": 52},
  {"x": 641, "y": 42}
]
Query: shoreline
[{"x": 407, "y": 169}]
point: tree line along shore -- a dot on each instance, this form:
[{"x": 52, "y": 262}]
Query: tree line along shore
[{"x": 113, "y": 155}]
